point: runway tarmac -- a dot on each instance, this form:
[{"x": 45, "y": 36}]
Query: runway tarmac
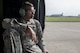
[{"x": 62, "y": 37}]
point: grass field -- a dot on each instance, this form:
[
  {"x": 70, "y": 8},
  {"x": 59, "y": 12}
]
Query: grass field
[{"x": 62, "y": 19}]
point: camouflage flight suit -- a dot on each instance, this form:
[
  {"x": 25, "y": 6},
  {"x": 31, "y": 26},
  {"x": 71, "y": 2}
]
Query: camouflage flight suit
[
  {"x": 28, "y": 46},
  {"x": 11, "y": 37},
  {"x": 12, "y": 43}
]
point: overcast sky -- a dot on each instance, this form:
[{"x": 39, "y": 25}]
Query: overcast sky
[{"x": 67, "y": 7}]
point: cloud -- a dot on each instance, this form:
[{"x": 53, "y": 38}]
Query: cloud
[{"x": 68, "y": 7}]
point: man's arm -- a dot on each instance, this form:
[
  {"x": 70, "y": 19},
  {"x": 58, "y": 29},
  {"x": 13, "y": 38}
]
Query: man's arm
[{"x": 39, "y": 35}]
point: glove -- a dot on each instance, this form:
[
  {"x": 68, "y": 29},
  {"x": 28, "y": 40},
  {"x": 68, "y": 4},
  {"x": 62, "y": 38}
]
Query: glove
[{"x": 29, "y": 31}]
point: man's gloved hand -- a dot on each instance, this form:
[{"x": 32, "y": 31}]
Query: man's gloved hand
[
  {"x": 31, "y": 33},
  {"x": 45, "y": 51}
]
